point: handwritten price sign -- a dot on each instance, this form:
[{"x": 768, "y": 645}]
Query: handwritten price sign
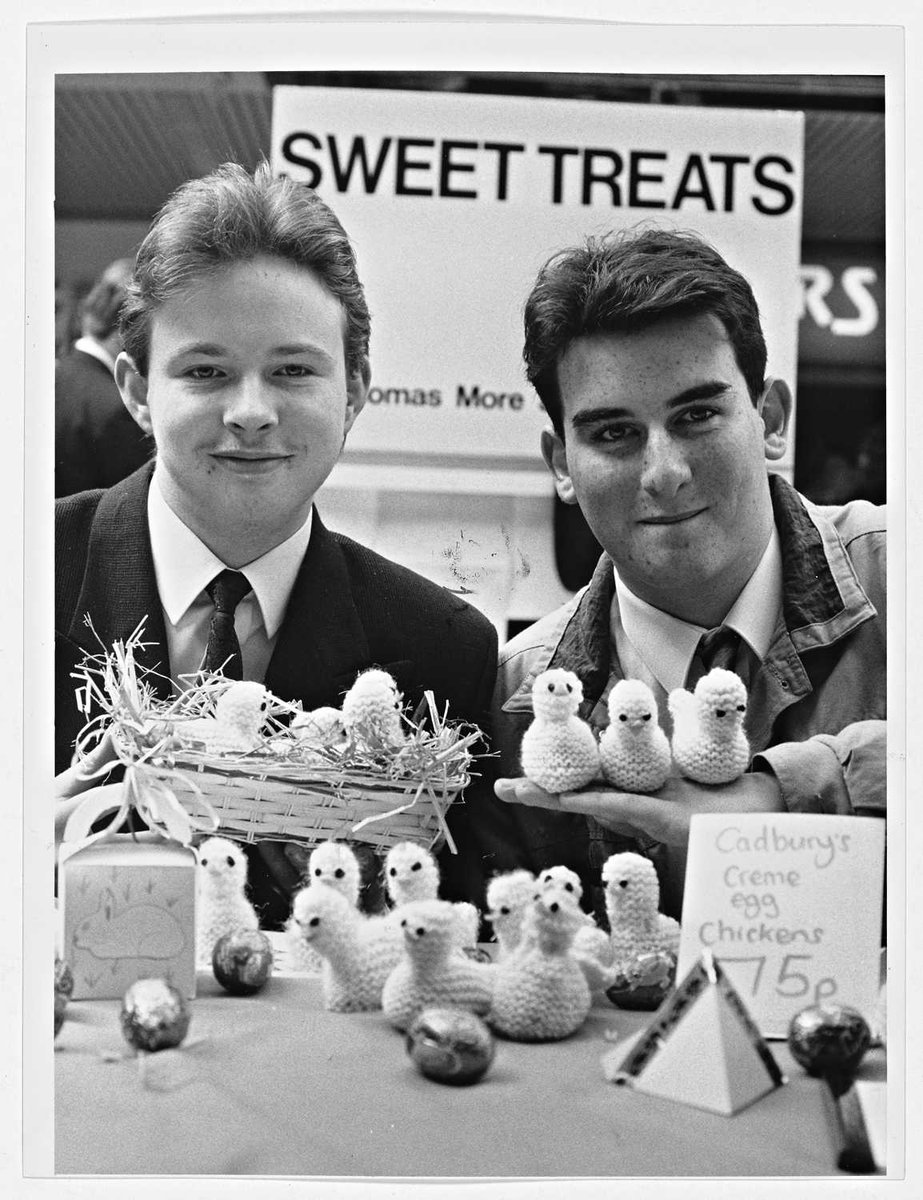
[{"x": 790, "y": 905}]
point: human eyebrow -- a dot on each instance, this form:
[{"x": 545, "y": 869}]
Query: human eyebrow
[
  {"x": 598, "y": 416},
  {"x": 713, "y": 389}
]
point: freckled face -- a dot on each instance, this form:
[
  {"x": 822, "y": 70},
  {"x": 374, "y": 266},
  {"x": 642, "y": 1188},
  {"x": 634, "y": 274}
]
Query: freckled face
[
  {"x": 665, "y": 453},
  {"x": 248, "y": 399}
]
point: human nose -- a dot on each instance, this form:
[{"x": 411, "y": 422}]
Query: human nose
[
  {"x": 250, "y": 408},
  {"x": 664, "y": 468}
]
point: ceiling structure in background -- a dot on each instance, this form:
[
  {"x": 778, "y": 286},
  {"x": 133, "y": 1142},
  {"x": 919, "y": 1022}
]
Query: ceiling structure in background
[{"x": 124, "y": 142}]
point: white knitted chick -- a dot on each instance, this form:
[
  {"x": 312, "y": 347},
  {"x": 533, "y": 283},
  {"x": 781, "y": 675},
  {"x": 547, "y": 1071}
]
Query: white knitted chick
[
  {"x": 372, "y": 711},
  {"x": 709, "y": 744},
  {"x": 221, "y": 901},
  {"x": 633, "y": 750},
  {"x": 559, "y": 751},
  {"x": 632, "y": 899},
  {"x": 357, "y": 961},
  {"x": 591, "y": 947},
  {"x": 412, "y": 873},
  {"x": 431, "y": 972},
  {"x": 335, "y": 865},
  {"x": 240, "y": 711},
  {"x": 541, "y": 992},
  {"x": 508, "y": 896},
  {"x": 319, "y": 727}
]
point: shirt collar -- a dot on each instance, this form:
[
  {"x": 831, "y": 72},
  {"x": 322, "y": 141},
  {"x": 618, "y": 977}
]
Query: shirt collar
[
  {"x": 95, "y": 349},
  {"x": 184, "y": 565},
  {"x": 667, "y": 644}
]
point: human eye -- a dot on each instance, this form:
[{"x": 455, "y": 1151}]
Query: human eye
[
  {"x": 294, "y": 371},
  {"x": 203, "y": 373},
  {"x": 617, "y": 434},
  {"x": 697, "y": 415}
]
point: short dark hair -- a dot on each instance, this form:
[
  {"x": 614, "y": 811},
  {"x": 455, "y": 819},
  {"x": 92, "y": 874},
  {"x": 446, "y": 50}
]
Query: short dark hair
[
  {"x": 99, "y": 312},
  {"x": 626, "y": 281},
  {"x": 231, "y": 216}
]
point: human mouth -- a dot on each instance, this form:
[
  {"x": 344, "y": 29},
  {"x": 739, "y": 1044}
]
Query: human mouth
[
  {"x": 249, "y": 462},
  {"x": 671, "y": 518}
]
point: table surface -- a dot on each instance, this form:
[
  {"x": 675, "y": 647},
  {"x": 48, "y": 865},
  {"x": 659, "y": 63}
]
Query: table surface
[{"x": 272, "y": 1084}]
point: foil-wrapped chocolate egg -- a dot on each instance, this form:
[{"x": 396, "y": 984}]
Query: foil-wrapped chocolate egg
[
  {"x": 60, "y": 1007},
  {"x": 242, "y": 961},
  {"x": 154, "y": 1015},
  {"x": 63, "y": 978},
  {"x": 644, "y": 981},
  {"x": 450, "y": 1045},
  {"x": 829, "y": 1039}
]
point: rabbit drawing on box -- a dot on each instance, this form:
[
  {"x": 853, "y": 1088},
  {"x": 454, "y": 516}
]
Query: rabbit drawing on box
[{"x": 134, "y": 931}]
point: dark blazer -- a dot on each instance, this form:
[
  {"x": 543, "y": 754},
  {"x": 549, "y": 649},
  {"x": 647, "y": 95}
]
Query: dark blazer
[
  {"x": 349, "y": 609},
  {"x": 97, "y": 441}
]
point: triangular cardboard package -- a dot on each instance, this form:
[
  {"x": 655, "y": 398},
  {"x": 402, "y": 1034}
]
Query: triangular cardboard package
[{"x": 702, "y": 1048}]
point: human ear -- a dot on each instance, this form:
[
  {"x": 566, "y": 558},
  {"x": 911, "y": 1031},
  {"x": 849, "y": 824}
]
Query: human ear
[
  {"x": 357, "y": 390},
  {"x": 133, "y": 387},
  {"x": 554, "y": 453},
  {"x": 775, "y": 410}
]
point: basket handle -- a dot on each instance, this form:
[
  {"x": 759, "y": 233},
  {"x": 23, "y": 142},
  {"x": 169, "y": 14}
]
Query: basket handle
[{"x": 100, "y": 802}]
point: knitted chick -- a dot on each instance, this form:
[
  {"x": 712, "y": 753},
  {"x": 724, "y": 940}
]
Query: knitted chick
[
  {"x": 508, "y": 896},
  {"x": 318, "y": 730},
  {"x": 412, "y": 873},
  {"x": 559, "y": 751},
  {"x": 240, "y": 711},
  {"x": 633, "y": 750},
  {"x": 221, "y": 902},
  {"x": 334, "y": 865},
  {"x": 632, "y": 899},
  {"x": 356, "y": 964},
  {"x": 591, "y": 947},
  {"x": 709, "y": 744},
  {"x": 540, "y": 991},
  {"x": 431, "y": 972},
  {"x": 372, "y": 711}
]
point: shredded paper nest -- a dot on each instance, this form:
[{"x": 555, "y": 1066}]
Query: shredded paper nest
[{"x": 280, "y": 788}]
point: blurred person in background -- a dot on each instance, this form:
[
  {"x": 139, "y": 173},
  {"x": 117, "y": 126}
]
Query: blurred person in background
[{"x": 97, "y": 441}]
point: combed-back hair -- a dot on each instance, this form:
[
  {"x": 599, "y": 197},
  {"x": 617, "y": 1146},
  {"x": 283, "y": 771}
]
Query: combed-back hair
[
  {"x": 626, "y": 281},
  {"x": 231, "y": 216},
  {"x": 99, "y": 312}
]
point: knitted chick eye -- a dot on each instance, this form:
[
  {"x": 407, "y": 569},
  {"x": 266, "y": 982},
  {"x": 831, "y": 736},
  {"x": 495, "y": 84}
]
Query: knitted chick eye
[
  {"x": 568, "y": 887},
  {"x": 204, "y": 862},
  {"x": 623, "y": 883},
  {"x": 392, "y": 872},
  {"x": 339, "y": 873},
  {"x": 646, "y": 717},
  {"x": 230, "y": 860},
  {"x": 504, "y": 910},
  {"x": 623, "y": 716},
  {"x": 741, "y": 708},
  {"x": 569, "y": 686},
  {"x": 314, "y": 922},
  {"x": 553, "y": 907},
  {"x": 317, "y": 871},
  {"x": 551, "y": 687},
  {"x": 417, "y": 866},
  {"x": 420, "y": 931},
  {"x": 719, "y": 712}
]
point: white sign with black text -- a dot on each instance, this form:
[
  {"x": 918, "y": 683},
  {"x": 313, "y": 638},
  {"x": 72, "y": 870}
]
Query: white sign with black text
[{"x": 791, "y": 906}]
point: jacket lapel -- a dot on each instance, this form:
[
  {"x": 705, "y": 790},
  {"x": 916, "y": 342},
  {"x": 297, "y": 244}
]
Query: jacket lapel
[
  {"x": 323, "y": 642},
  {"x": 119, "y": 588}
]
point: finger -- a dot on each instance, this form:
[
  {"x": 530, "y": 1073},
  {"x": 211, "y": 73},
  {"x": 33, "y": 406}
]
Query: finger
[
  {"x": 523, "y": 791},
  {"x": 624, "y": 812}
]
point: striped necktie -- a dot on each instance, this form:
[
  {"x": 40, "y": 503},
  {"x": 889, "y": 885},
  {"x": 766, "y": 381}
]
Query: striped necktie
[{"x": 223, "y": 650}]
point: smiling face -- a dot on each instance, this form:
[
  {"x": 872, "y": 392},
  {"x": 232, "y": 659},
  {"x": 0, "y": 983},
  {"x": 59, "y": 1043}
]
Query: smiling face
[
  {"x": 666, "y": 453},
  {"x": 248, "y": 400}
]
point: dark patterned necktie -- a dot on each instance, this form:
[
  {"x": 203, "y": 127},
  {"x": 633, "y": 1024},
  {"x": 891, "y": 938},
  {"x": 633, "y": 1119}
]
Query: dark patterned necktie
[
  {"x": 719, "y": 647},
  {"x": 223, "y": 650}
]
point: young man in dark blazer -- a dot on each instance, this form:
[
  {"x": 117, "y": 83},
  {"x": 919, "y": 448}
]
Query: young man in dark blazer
[{"x": 245, "y": 357}]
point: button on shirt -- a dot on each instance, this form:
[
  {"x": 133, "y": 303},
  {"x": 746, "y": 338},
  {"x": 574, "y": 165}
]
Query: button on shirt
[
  {"x": 653, "y": 646},
  {"x": 184, "y": 566}
]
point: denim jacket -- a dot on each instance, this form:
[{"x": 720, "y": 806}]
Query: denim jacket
[{"x": 817, "y": 703}]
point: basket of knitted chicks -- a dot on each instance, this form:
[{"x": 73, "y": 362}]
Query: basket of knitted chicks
[{"x": 257, "y": 767}]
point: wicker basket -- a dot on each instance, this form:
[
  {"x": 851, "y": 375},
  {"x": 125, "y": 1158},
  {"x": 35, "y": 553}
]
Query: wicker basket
[
  {"x": 278, "y": 789},
  {"x": 255, "y": 799}
]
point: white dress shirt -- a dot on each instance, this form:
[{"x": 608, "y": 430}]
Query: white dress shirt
[
  {"x": 184, "y": 566},
  {"x": 95, "y": 349},
  {"x": 653, "y": 646}
]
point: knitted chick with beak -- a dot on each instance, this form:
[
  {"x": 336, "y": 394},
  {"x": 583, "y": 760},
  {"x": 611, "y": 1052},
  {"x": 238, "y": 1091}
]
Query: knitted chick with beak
[
  {"x": 633, "y": 750},
  {"x": 559, "y": 750},
  {"x": 709, "y": 743}
]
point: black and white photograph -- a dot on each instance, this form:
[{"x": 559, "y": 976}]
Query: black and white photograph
[{"x": 475, "y": 445}]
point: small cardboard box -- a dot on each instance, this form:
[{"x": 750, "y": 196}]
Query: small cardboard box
[{"x": 127, "y": 909}]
